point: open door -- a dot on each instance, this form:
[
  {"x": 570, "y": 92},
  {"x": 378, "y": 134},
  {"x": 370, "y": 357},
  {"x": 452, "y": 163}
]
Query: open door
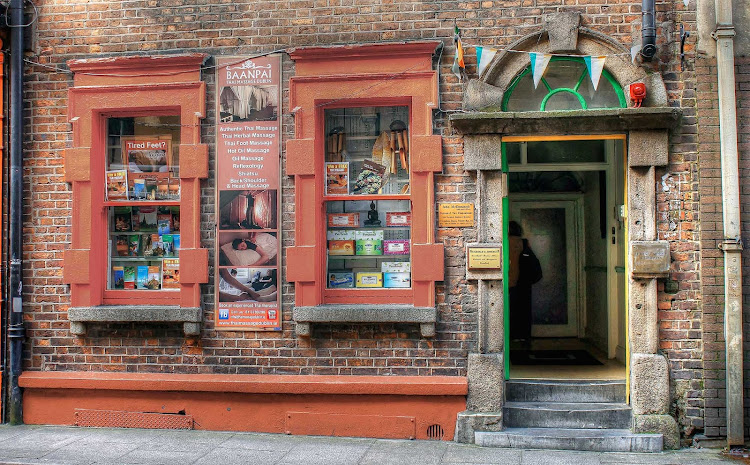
[{"x": 551, "y": 227}]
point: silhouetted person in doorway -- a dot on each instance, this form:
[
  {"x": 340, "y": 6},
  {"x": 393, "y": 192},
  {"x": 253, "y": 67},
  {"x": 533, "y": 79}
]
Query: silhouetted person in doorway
[{"x": 519, "y": 289}]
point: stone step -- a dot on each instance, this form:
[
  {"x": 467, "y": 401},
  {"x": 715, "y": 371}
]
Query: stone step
[
  {"x": 599, "y": 440},
  {"x": 566, "y": 415},
  {"x": 543, "y": 390}
]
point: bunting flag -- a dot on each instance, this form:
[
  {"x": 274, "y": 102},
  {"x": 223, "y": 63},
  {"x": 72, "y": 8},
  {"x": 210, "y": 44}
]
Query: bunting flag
[
  {"x": 634, "y": 52},
  {"x": 539, "y": 62},
  {"x": 484, "y": 57},
  {"x": 595, "y": 66},
  {"x": 459, "y": 67}
]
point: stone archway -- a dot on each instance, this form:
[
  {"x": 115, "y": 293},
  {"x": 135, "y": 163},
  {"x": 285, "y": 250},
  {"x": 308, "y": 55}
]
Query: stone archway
[{"x": 483, "y": 126}]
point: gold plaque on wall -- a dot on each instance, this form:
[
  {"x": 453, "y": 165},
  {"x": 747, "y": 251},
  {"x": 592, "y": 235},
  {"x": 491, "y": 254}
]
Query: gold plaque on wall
[
  {"x": 486, "y": 258},
  {"x": 455, "y": 215}
]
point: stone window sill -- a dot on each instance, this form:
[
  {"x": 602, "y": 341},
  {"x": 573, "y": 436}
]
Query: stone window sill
[
  {"x": 426, "y": 317},
  {"x": 190, "y": 317}
]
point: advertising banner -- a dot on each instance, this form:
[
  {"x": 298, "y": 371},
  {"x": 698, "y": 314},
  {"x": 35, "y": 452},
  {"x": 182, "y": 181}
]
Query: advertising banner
[{"x": 248, "y": 169}]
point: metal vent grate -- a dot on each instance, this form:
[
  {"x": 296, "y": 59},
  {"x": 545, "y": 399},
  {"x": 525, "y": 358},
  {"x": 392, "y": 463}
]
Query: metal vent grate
[
  {"x": 435, "y": 432},
  {"x": 120, "y": 419}
]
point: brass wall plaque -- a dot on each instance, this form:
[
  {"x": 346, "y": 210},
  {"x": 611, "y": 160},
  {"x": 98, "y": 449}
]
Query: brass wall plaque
[
  {"x": 455, "y": 215},
  {"x": 486, "y": 258},
  {"x": 650, "y": 258}
]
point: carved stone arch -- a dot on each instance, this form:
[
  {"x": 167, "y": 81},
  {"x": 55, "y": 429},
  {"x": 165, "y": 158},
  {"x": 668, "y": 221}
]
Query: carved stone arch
[{"x": 561, "y": 34}]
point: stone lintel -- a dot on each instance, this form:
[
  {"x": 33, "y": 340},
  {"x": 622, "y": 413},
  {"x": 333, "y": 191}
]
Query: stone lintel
[
  {"x": 191, "y": 317},
  {"x": 648, "y": 148},
  {"x": 426, "y": 317},
  {"x": 650, "y": 259},
  {"x": 566, "y": 122},
  {"x": 482, "y": 152}
]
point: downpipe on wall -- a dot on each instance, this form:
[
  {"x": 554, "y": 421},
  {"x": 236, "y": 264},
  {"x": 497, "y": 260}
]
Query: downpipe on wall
[
  {"x": 648, "y": 29},
  {"x": 732, "y": 243},
  {"x": 15, "y": 287}
]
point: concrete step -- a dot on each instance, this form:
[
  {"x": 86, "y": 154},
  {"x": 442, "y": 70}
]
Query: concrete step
[
  {"x": 542, "y": 390},
  {"x": 566, "y": 415},
  {"x": 609, "y": 440}
]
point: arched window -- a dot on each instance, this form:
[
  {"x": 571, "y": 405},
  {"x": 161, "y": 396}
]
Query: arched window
[{"x": 564, "y": 86}]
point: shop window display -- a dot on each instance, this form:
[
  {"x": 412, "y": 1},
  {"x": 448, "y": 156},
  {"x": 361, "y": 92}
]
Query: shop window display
[
  {"x": 142, "y": 199},
  {"x": 367, "y": 198}
]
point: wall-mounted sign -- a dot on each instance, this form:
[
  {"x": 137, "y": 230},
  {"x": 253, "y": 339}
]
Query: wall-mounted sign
[
  {"x": 485, "y": 258},
  {"x": 248, "y": 167},
  {"x": 455, "y": 215}
]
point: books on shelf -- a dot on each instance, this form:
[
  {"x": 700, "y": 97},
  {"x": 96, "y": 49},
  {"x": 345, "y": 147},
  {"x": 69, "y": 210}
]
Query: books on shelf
[
  {"x": 117, "y": 185},
  {"x": 337, "y": 178},
  {"x": 147, "y": 219},
  {"x": 141, "y": 277},
  {"x": 118, "y": 277},
  {"x": 122, "y": 246},
  {"x": 129, "y": 277},
  {"x": 139, "y": 189},
  {"x": 370, "y": 179},
  {"x": 153, "y": 281},
  {"x": 164, "y": 222},
  {"x": 134, "y": 245},
  {"x": 122, "y": 219},
  {"x": 171, "y": 273}
]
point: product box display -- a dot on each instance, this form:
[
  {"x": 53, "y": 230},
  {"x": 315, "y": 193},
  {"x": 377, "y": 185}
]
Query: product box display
[
  {"x": 369, "y": 235},
  {"x": 340, "y": 280},
  {"x": 398, "y": 219},
  {"x": 341, "y": 235},
  {"x": 339, "y": 247},
  {"x": 395, "y": 267},
  {"x": 369, "y": 247},
  {"x": 343, "y": 220},
  {"x": 397, "y": 279},
  {"x": 396, "y": 247},
  {"x": 369, "y": 279}
]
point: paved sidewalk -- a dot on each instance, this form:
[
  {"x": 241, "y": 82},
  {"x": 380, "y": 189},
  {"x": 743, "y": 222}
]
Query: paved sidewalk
[{"x": 68, "y": 445}]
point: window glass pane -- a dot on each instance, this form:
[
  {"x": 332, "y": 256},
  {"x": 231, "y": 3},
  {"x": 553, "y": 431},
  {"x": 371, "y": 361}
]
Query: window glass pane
[
  {"x": 513, "y": 152},
  {"x": 562, "y": 73},
  {"x": 144, "y": 247},
  {"x": 369, "y": 244},
  {"x": 563, "y": 101},
  {"x": 524, "y": 97},
  {"x": 367, "y": 151},
  {"x": 143, "y": 154},
  {"x": 568, "y": 151}
]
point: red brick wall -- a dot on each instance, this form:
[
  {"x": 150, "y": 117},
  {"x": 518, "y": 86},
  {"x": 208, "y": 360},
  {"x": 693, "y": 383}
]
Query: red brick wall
[
  {"x": 712, "y": 224},
  {"x": 84, "y": 30}
]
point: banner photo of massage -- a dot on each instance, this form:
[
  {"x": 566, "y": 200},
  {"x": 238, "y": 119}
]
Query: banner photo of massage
[{"x": 248, "y": 171}]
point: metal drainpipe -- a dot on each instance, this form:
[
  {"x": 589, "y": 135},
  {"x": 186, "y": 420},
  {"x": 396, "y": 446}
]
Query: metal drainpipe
[
  {"x": 648, "y": 29},
  {"x": 15, "y": 328},
  {"x": 732, "y": 243}
]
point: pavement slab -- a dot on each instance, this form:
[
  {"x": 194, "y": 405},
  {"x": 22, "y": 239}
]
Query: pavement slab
[{"x": 65, "y": 445}]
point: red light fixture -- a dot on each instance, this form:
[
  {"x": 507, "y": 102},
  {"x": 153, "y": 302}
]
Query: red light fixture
[{"x": 637, "y": 93}]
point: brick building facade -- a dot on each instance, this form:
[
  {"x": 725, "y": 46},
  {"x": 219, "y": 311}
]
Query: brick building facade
[{"x": 430, "y": 373}]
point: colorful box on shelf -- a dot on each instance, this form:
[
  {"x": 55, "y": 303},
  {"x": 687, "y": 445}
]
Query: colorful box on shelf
[
  {"x": 398, "y": 219},
  {"x": 369, "y": 242},
  {"x": 369, "y": 279},
  {"x": 397, "y": 279},
  {"x": 369, "y": 247},
  {"x": 340, "y": 280},
  {"x": 338, "y": 247},
  {"x": 396, "y": 247},
  {"x": 343, "y": 220},
  {"x": 395, "y": 267},
  {"x": 340, "y": 235}
]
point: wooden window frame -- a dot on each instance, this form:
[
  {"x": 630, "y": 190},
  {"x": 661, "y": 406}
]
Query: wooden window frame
[
  {"x": 132, "y": 86},
  {"x": 370, "y": 75}
]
